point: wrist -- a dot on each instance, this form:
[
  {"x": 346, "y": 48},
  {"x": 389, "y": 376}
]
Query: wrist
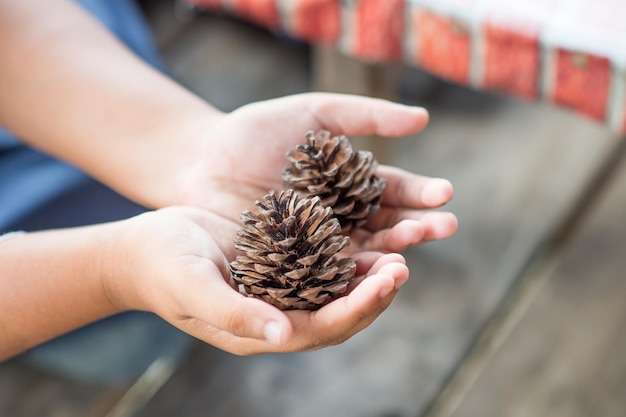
[
  {"x": 177, "y": 151},
  {"x": 197, "y": 146},
  {"x": 114, "y": 264}
]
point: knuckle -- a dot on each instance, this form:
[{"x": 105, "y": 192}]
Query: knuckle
[{"x": 236, "y": 323}]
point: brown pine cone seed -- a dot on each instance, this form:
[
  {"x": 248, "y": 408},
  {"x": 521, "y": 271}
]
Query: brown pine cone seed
[
  {"x": 289, "y": 253},
  {"x": 328, "y": 167}
]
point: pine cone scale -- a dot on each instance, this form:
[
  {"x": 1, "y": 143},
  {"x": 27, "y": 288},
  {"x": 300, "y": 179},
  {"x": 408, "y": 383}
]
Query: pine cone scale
[
  {"x": 310, "y": 293},
  {"x": 316, "y": 189},
  {"x": 287, "y": 244},
  {"x": 362, "y": 188},
  {"x": 338, "y": 287},
  {"x": 279, "y": 292},
  {"x": 249, "y": 279},
  {"x": 265, "y": 269},
  {"x": 256, "y": 290},
  {"x": 280, "y": 258},
  {"x": 328, "y": 274},
  {"x": 344, "y": 209},
  {"x": 308, "y": 260},
  {"x": 346, "y": 181},
  {"x": 360, "y": 214},
  {"x": 346, "y": 266},
  {"x": 312, "y": 226},
  {"x": 298, "y": 274},
  {"x": 330, "y": 201},
  {"x": 333, "y": 247}
]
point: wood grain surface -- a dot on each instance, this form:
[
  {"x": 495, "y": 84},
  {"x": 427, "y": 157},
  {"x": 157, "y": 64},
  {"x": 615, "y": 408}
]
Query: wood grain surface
[
  {"x": 28, "y": 392},
  {"x": 566, "y": 356}
]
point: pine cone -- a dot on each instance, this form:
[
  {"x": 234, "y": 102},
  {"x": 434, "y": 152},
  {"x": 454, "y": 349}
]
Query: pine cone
[
  {"x": 328, "y": 167},
  {"x": 289, "y": 253}
]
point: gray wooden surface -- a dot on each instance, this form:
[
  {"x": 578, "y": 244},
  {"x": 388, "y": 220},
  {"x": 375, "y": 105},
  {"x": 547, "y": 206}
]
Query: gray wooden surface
[
  {"x": 566, "y": 356},
  {"x": 27, "y": 392},
  {"x": 520, "y": 172}
]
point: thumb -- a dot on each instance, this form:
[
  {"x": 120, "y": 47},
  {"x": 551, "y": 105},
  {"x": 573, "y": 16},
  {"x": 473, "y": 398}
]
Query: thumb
[{"x": 213, "y": 304}]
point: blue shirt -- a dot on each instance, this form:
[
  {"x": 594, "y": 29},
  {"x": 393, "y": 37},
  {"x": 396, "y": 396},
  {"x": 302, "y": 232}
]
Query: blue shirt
[{"x": 39, "y": 192}]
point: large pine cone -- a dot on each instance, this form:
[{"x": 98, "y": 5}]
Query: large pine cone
[
  {"x": 289, "y": 253},
  {"x": 328, "y": 167}
]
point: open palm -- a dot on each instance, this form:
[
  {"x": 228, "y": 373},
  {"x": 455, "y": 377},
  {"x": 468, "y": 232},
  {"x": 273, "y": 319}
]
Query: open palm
[
  {"x": 174, "y": 263},
  {"x": 245, "y": 156}
]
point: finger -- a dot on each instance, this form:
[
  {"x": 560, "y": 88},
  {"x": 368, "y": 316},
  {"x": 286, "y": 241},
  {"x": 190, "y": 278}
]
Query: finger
[
  {"x": 437, "y": 224},
  {"x": 228, "y": 342},
  {"x": 373, "y": 265},
  {"x": 344, "y": 317},
  {"x": 357, "y": 115},
  {"x": 365, "y": 261},
  {"x": 400, "y": 272},
  {"x": 348, "y": 315},
  {"x": 330, "y": 325},
  {"x": 408, "y": 190},
  {"x": 384, "y": 261},
  {"x": 340, "y": 320},
  {"x": 388, "y": 217},
  {"x": 396, "y": 239},
  {"x": 431, "y": 226}
]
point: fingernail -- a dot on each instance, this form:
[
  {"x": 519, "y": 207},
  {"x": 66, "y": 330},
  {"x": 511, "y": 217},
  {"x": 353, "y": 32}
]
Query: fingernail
[{"x": 272, "y": 332}]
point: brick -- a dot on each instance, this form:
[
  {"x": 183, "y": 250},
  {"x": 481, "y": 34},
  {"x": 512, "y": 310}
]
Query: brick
[
  {"x": 316, "y": 20},
  {"x": 379, "y": 29},
  {"x": 262, "y": 12},
  {"x": 512, "y": 60},
  {"x": 582, "y": 82},
  {"x": 443, "y": 46}
]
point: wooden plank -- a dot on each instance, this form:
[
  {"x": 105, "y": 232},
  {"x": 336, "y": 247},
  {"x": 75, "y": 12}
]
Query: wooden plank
[
  {"x": 27, "y": 392},
  {"x": 513, "y": 165},
  {"x": 517, "y": 168},
  {"x": 565, "y": 358}
]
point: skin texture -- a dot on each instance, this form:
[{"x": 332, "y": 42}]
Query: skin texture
[{"x": 103, "y": 110}]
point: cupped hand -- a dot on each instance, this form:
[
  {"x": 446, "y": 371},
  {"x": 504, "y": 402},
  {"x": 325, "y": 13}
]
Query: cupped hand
[
  {"x": 173, "y": 262},
  {"x": 245, "y": 155}
]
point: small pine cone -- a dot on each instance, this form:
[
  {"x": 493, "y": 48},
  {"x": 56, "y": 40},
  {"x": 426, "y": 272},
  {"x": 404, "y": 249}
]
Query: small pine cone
[
  {"x": 328, "y": 167},
  {"x": 289, "y": 253}
]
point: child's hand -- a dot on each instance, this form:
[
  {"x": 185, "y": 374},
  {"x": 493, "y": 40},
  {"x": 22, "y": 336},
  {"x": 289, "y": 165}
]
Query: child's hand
[
  {"x": 242, "y": 156},
  {"x": 168, "y": 262}
]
